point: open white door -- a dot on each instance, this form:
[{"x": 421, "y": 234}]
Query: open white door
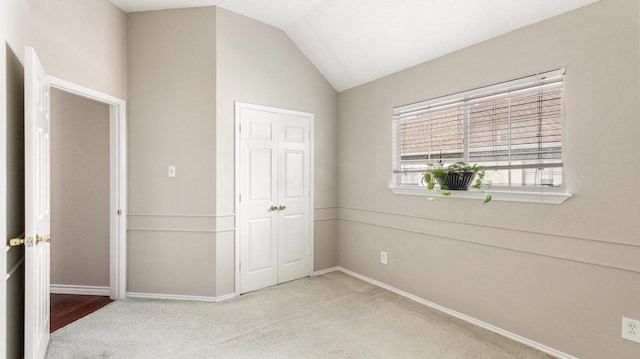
[{"x": 37, "y": 207}]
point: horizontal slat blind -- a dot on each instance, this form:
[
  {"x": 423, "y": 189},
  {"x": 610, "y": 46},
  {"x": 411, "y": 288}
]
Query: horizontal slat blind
[
  {"x": 513, "y": 125},
  {"x": 440, "y": 132},
  {"x": 523, "y": 128}
]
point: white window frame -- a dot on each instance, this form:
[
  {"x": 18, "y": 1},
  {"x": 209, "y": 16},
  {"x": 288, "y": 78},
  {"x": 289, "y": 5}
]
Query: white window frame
[{"x": 554, "y": 195}]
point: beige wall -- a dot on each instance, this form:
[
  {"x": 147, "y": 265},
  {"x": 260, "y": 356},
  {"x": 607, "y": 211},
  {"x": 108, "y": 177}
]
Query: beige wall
[
  {"x": 259, "y": 64},
  {"x": 186, "y": 70},
  {"x": 79, "y": 190},
  {"x": 172, "y": 108},
  {"x": 562, "y": 275},
  {"x": 76, "y": 40}
]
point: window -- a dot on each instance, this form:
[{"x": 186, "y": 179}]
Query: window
[{"x": 514, "y": 129}]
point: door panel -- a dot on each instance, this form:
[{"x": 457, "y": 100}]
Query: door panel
[
  {"x": 259, "y": 245},
  {"x": 293, "y": 133},
  {"x": 37, "y": 207},
  {"x": 292, "y": 250},
  {"x": 294, "y": 174},
  {"x": 259, "y": 129},
  {"x": 260, "y": 169}
]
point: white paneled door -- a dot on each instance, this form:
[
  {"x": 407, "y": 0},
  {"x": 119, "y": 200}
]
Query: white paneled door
[
  {"x": 275, "y": 197},
  {"x": 37, "y": 207}
]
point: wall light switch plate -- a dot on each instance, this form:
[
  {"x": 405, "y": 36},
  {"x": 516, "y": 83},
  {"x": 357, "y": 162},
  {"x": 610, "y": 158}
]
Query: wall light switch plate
[
  {"x": 383, "y": 257},
  {"x": 172, "y": 171},
  {"x": 631, "y": 329}
]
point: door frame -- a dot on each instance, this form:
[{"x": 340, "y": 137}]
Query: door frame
[
  {"x": 4, "y": 248},
  {"x": 117, "y": 180},
  {"x": 239, "y": 106}
]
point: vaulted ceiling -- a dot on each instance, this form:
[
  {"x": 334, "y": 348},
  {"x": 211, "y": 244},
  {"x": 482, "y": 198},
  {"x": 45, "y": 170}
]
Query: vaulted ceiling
[{"x": 353, "y": 42}]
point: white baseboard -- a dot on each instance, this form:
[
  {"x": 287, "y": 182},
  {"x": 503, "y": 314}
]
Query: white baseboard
[
  {"x": 225, "y": 297},
  {"x": 195, "y": 298},
  {"x": 79, "y": 289},
  {"x": 325, "y": 271},
  {"x": 466, "y": 318}
]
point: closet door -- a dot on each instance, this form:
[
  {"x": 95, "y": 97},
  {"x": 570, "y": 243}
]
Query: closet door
[
  {"x": 258, "y": 200},
  {"x": 293, "y": 198},
  {"x": 275, "y": 214}
]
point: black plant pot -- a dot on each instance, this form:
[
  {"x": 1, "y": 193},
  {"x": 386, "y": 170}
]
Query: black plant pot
[{"x": 459, "y": 181}]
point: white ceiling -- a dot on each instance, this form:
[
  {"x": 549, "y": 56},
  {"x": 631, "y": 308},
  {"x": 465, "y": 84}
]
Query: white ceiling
[{"x": 353, "y": 42}]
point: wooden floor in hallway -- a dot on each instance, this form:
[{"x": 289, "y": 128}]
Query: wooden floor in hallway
[{"x": 67, "y": 308}]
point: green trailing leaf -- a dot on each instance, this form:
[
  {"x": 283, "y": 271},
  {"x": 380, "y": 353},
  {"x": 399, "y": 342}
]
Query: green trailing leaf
[{"x": 436, "y": 174}]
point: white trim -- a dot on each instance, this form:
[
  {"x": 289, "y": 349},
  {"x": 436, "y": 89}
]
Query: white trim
[
  {"x": 497, "y": 195},
  {"x": 466, "y": 318},
  {"x": 226, "y": 297},
  {"x": 311, "y": 116},
  {"x": 325, "y": 219},
  {"x": 180, "y": 215},
  {"x": 185, "y": 230},
  {"x": 79, "y": 289},
  {"x": 192, "y": 298},
  {"x": 118, "y": 180},
  {"x": 327, "y": 207},
  {"x": 312, "y": 191},
  {"x": 325, "y": 271},
  {"x": 84, "y": 91},
  {"x": 236, "y": 195}
]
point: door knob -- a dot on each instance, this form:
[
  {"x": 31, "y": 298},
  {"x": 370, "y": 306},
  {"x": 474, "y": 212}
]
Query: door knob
[
  {"x": 273, "y": 208},
  {"x": 18, "y": 241},
  {"x": 282, "y": 208}
]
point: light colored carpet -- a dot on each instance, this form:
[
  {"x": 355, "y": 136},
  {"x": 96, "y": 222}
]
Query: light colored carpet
[{"x": 329, "y": 316}]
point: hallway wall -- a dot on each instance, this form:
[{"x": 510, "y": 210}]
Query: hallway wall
[{"x": 80, "y": 191}]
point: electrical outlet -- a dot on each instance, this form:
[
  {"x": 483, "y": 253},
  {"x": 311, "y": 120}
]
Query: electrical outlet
[
  {"x": 383, "y": 257},
  {"x": 631, "y": 329}
]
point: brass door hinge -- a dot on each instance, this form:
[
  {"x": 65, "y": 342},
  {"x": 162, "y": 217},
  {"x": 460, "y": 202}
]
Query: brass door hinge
[{"x": 119, "y": 212}]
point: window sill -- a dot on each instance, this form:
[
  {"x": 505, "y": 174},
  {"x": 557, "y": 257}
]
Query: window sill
[{"x": 497, "y": 195}]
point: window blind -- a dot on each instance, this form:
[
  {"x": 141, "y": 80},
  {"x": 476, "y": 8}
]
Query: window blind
[{"x": 507, "y": 126}]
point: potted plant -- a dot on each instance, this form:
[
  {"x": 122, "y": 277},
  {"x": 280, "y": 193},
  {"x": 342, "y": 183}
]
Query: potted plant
[{"x": 457, "y": 176}]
